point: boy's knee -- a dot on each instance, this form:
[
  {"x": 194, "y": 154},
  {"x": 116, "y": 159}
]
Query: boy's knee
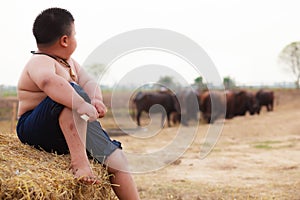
[
  {"x": 64, "y": 116},
  {"x": 66, "y": 120},
  {"x": 117, "y": 161},
  {"x": 117, "y": 156}
]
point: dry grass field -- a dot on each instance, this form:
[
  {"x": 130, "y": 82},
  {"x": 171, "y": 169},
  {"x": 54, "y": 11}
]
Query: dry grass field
[{"x": 256, "y": 157}]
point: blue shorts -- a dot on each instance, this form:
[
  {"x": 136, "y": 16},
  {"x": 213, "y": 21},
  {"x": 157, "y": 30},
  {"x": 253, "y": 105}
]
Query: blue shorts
[{"x": 40, "y": 128}]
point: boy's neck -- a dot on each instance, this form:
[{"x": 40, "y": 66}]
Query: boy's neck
[{"x": 53, "y": 51}]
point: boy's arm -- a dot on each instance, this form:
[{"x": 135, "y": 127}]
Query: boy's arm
[
  {"x": 43, "y": 73},
  {"x": 91, "y": 87}
]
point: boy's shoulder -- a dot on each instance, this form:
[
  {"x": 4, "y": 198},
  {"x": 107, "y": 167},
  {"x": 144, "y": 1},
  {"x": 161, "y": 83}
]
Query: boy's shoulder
[
  {"x": 41, "y": 59},
  {"x": 38, "y": 61}
]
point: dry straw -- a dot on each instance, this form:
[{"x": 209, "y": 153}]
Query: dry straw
[{"x": 28, "y": 173}]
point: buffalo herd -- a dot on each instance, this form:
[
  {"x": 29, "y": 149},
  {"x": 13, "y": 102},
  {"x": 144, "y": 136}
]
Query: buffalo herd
[{"x": 211, "y": 104}]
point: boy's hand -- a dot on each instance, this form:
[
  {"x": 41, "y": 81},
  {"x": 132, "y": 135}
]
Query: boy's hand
[
  {"x": 89, "y": 110},
  {"x": 100, "y": 107}
]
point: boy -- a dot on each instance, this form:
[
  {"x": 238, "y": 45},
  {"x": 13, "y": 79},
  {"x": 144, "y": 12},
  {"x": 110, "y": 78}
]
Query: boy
[{"x": 54, "y": 92}]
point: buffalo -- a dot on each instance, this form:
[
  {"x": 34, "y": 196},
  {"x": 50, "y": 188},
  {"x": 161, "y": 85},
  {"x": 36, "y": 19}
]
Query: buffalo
[
  {"x": 212, "y": 105},
  {"x": 265, "y": 98},
  {"x": 227, "y": 104},
  {"x": 239, "y": 103},
  {"x": 189, "y": 105},
  {"x": 167, "y": 102}
]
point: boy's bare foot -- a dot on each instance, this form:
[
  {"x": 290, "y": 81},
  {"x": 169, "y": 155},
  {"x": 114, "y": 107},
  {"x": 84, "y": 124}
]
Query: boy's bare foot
[
  {"x": 85, "y": 176},
  {"x": 89, "y": 180}
]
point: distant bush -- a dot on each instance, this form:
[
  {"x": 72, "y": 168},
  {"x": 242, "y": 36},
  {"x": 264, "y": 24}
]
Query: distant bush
[
  {"x": 7, "y": 108},
  {"x": 8, "y": 91}
]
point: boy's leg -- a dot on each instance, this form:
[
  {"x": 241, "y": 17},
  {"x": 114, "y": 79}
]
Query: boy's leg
[
  {"x": 118, "y": 166},
  {"x": 74, "y": 130},
  {"x": 100, "y": 146},
  {"x": 108, "y": 152}
]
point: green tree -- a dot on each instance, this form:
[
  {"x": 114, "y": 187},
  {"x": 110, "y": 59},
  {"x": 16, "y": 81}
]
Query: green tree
[
  {"x": 198, "y": 80},
  {"x": 198, "y": 83},
  {"x": 290, "y": 58},
  {"x": 167, "y": 81},
  {"x": 228, "y": 82}
]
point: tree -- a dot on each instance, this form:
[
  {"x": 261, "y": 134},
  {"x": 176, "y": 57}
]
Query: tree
[
  {"x": 228, "y": 83},
  {"x": 167, "y": 82},
  {"x": 198, "y": 83},
  {"x": 290, "y": 57}
]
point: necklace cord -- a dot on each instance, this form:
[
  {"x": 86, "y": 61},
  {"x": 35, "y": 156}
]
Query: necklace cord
[{"x": 61, "y": 61}]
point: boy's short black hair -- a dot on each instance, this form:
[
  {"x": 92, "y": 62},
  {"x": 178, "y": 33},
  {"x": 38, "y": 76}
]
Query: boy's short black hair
[{"x": 51, "y": 24}]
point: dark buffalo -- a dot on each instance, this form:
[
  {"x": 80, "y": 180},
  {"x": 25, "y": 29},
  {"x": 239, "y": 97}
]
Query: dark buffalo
[
  {"x": 227, "y": 104},
  {"x": 146, "y": 101},
  {"x": 189, "y": 105},
  {"x": 265, "y": 98},
  {"x": 215, "y": 98},
  {"x": 239, "y": 103}
]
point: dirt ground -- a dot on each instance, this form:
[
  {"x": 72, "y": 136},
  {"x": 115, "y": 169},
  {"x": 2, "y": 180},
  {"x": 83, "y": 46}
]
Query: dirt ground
[{"x": 256, "y": 157}]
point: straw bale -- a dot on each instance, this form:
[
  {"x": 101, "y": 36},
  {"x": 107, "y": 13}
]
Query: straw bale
[{"x": 28, "y": 173}]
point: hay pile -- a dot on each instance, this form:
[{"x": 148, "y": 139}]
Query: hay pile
[{"x": 27, "y": 173}]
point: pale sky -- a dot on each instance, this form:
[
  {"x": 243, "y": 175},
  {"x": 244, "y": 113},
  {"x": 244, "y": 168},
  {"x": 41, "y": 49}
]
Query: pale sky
[{"x": 243, "y": 38}]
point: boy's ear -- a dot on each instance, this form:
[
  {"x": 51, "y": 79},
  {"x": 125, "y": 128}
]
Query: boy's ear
[{"x": 64, "y": 41}]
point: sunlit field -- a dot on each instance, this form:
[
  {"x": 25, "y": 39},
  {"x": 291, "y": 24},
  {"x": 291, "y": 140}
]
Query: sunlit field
[{"x": 256, "y": 157}]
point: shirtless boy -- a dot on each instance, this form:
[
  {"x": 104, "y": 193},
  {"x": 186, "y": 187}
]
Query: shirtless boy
[{"x": 54, "y": 92}]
